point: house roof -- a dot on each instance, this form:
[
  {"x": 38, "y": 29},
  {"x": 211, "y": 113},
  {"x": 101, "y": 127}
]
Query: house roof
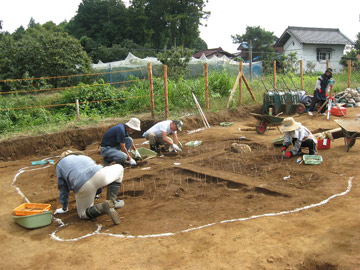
[
  {"x": 311, "y": 35},
  {"x": 211, "y": 52}
]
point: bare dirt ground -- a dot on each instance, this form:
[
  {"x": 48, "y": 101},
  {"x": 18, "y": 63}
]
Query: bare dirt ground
[{"x": 205, "y": 208}]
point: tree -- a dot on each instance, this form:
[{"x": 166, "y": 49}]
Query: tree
[
  {"x": 175, "y": 23},
  {"x": 42, "y": 53},
  {"x": 177, "y": 60},
  {"x": 353, "y": 56},
  {"x": 262, "y": 42},
  {"x": 102, "y": 21}
]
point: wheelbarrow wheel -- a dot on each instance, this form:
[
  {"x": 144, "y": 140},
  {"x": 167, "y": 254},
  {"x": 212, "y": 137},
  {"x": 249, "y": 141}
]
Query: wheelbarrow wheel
[
  {"x": 261, "y": 127},
  {"x": 349, "y": 142},
  {"x": 300, "y": 109}
]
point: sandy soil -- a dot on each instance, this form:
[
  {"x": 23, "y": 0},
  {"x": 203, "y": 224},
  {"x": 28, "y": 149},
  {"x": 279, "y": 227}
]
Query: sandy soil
[{"x": 205, "y": 208}]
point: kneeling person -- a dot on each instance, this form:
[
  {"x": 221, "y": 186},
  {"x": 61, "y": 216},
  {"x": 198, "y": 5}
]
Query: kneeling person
[
  {"x": 297, "y": 135},
  {"x": 79, "y": 173},
  {"x": 158, "y": 135},
  {"x": 116, "y": 143}
]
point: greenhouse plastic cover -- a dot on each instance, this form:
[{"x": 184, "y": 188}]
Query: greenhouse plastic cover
[{"x": 196, "y": 66}]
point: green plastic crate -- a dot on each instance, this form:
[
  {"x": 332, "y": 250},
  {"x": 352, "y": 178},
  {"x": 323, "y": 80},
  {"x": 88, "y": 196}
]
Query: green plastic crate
[
  {"x": 312, "y": 159},
  {"x": 34, "y": 221}
]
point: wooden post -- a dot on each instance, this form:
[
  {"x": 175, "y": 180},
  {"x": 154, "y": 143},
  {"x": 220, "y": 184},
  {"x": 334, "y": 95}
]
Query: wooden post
[
  {"x": 234, "y": 88},
  {"x": 327, "y": 64},
  {"x": 77, "y": 109},
  {"x": 206, "y": 85},
  {"x": 301, "y": 75},
  {"x": 151, "y": 86},
  {"x": 240, "y": 86},
  {"x": 274, "y": 73},
  {"x": 248, "y": 87},
  {"x": 349, "y": 73},
  {"x": 166, "y": 92}
]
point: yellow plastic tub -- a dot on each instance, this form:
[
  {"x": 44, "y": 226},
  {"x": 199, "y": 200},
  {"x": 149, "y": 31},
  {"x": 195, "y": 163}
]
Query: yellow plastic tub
[{"x": 27, "y": 209}]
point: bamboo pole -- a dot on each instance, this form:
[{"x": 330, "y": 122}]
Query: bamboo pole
[
  {"x": 151, "y": 86},
  {"x": 301, "y": 75},
  {"x": 234, "y": 88},
  {"x": 274, "y": 73},
  {"x": 349, "y": 73},
  {"x": 206, "y": 85},
  {"x": 240, "y": 86},
  {"x": 166, "y": 92},
  {"x": 248, "y": 87}
]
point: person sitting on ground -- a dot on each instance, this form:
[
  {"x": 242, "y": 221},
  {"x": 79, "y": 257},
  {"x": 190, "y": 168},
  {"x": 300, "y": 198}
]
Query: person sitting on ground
[
  {"x": 158, "y": 135},
  {"x": 116, "y": 143},
  {"x": 297, "y": 135},
  {"x": 320, "y": 93},
  {"x": 79, "y": 173}
]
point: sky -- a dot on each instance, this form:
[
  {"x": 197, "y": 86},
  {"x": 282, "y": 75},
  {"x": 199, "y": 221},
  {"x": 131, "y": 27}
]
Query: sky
[{"x": 228, "y": 17}]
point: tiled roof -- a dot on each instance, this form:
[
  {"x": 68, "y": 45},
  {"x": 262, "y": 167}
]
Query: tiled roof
[
  {"x": 310, "y": 35},
  {"x": 211, "y": 52}
]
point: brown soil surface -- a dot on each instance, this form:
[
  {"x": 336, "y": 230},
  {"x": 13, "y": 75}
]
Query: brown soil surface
[{"x": 204, "y": 208}]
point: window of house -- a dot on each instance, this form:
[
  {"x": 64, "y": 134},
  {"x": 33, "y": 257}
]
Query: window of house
[{"x": 323, "y": 54}]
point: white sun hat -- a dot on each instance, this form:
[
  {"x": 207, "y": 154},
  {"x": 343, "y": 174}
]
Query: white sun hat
[
  {"x": 289, "y": 124},
  {"x": 134, "y": 123}
]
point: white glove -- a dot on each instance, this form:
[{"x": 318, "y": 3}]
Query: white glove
[
  {"x": 137, "y": 154},
  {"x": 176, "y": 148},
  {"x": 132, "y": 162},
  {"x": 60, "y": 211}
]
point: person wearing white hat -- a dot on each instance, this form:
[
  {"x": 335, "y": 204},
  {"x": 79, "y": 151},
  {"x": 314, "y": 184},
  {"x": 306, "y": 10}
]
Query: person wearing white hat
[
  {"x": 297, "y": 135},
  {"x": 116, "y": 143}
]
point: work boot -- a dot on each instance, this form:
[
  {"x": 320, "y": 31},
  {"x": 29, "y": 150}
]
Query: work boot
[
  {"x": 112, "y": 191},
  {"x": 107, "y": 161},
  {"x": 100, "y": 209},
  {"x": 155, "y": 148},
  {"x": 110, "y": 210}
]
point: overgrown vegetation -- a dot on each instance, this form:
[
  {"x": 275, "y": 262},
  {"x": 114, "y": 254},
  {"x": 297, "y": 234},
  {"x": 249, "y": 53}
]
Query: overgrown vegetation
[{"x": 29, "y": 112}]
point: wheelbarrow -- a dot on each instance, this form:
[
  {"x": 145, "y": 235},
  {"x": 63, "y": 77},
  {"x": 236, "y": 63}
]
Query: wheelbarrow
[
  {"x": 265, "y": 120},
  {"x": 350, "y": 129}
]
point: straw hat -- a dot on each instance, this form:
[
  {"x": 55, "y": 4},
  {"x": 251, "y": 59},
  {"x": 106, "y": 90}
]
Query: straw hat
[
  {"x": 134, "y": 123},
  {"x": 289, "y": 124}
]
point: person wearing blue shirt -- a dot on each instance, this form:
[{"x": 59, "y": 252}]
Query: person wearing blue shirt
[
  {"x": 116, "y": 143},
  {"x": 79, "y": 173}
]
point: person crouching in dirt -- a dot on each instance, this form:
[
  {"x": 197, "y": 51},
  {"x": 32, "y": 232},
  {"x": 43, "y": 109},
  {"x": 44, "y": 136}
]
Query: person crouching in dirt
[
  {"x": 297, "y": 135},
  {"x": 158, "y": 135},
  {"x": 320, "y": 93},
  {"x": 79, "y": 173},
  {"x": 116, "y": 143}
]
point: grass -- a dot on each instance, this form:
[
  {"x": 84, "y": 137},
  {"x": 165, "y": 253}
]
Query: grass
[{"x": 39, "y": 121}]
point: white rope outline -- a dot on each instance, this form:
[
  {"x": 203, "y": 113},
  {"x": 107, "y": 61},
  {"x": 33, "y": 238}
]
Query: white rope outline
[{"x": 99, "y": 226}]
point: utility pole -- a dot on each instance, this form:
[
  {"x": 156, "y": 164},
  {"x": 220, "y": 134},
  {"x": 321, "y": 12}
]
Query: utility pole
[{"x": 250, "y": 56}]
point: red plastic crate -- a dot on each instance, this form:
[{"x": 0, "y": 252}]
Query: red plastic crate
[
  {"x": 338, "y": 111},
  {"x": 323, "y": 144}
]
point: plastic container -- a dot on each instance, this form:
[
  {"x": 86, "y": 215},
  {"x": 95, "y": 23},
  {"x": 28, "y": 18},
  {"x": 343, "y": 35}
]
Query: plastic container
[
  {"x": 226, "y": 124},
  {"x": 312, "y": 159},
  {"x": 34, "y": 221},
  {"x": 146, "y": 153},
  {"x": 193, "y": 143},
  {"x": 323, "y": 144},
  {"x": 27, "y": 209},
  {"x": 338, "y": 111}
]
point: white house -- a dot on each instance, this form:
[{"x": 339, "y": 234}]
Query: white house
[{"x": 315, "y": 45}]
